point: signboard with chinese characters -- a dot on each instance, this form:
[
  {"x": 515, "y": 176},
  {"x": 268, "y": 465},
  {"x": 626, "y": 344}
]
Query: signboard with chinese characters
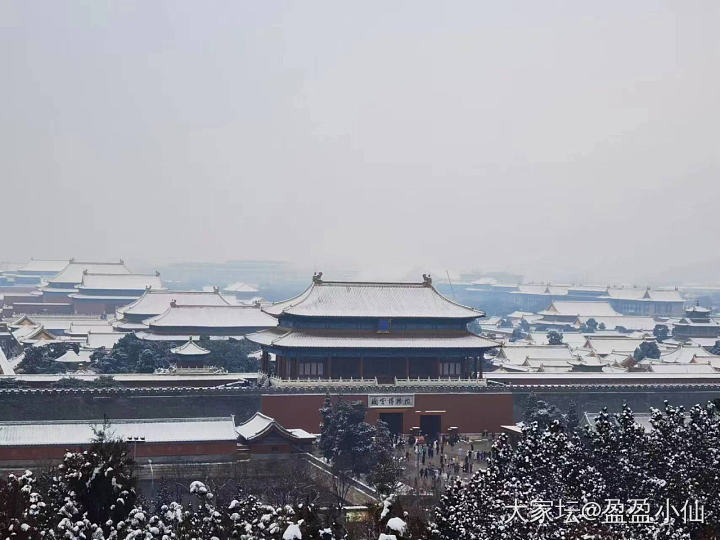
[{"x": 393, "y": 401}]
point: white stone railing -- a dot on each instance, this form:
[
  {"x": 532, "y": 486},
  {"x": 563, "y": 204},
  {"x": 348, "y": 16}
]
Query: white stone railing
[
  {"x": 277, "y": 381},
  {"x": 445, "y": 381}
]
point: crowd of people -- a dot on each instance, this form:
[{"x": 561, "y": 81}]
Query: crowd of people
[{"x": 429, "y": 464}]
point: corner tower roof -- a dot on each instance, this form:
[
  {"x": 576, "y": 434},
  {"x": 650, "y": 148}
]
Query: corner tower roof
[{"x": 372, "y": 299}]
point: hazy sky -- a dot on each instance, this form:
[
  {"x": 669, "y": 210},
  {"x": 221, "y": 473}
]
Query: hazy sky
[{"x": 570, "y": 139}]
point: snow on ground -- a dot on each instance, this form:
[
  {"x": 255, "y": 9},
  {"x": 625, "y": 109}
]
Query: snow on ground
[
  {"x": 397, "y": 525},
  {"x": 292, "y": 532}
]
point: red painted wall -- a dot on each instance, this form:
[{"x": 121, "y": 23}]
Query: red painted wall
[
  {"x": 470, "y": 413},
  {"x": 27, "y": 453}
]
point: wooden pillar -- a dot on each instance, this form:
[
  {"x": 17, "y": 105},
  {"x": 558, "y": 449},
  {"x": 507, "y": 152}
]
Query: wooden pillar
[
  {"x": 265, "y": 362},
  {"x": 280, "y": 362},
  {"x": 407, "y": 367},
  {"x": 329, "y": 367},
  {"x": 362, "y": 361},
  {"x": 437, "y": 367}
]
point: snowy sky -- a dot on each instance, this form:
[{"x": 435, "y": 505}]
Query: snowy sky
[{"x": 558, "y": 139}]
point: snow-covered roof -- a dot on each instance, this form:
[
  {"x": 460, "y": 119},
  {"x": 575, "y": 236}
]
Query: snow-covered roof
[
  {"x": 96, "y": 340},
  {"x": 239, "y": 286},
  {"x": 579, "y": 309},
  {"x": 77, "y": 432},
  {"x": 681, "y": 368},
  {"x": 699, "y": 310},
  {"x": 606, "y": 345},
  {"x": 154, "y": 302},
  {"x": 260, "y": 424},
  {"x": 212, "y": 317},
  {"x": 83, "y": 328},
  {"x": 73, "y": 272},
  {"x": 638, "y": 293},
  {"x": 550, "y": 290},
  {"x": 686, "y": 354},
  {"x": 625, "y": 321},
  {"x": 372, "y": 299},
  {"x": 517, "y": 354},
  {"x": 120, "y": 282},
  {"x": 30, "y": 334},
  {"x": 327, "y": 339},
  {"x": 44, "y": 266},
  {"x": 189, "y": 348},
  {"x": 573, "y": 339},
  {"x": 71, "y": 357}
]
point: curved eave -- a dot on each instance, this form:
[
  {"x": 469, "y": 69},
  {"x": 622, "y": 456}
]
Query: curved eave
[{"x": 380, "y": 344}]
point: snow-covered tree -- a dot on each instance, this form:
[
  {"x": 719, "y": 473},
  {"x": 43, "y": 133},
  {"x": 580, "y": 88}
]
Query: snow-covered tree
[
  {"x": 614, "y": 480},
  {"x": 554, "y": 337}
]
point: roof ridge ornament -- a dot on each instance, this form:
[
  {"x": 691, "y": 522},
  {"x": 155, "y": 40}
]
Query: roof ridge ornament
[
  {"x": 173, "y": 303},
  {"x": 317, "y": 277},
  {"x": 427, "y": 280}
]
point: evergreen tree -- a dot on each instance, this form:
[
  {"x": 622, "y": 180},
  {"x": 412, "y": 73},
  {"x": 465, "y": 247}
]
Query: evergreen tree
[
  {"x": 661, "y": 332},
  {"x": 554, "y": 337},
  {"x": 630, "y": 474},
  {"x": 647, "y": 349}
]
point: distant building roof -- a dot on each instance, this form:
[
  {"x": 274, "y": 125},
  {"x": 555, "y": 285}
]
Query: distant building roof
[
  {"x": 154, "y": 302},
  {"x": 589, "y": 309},
  {"x": 80, "y": 432},
  {"x": 212, "y": 317},
  {"x": 550, "y": 290},
  {"x": 628, "y": 322},
  {"x": 189, "y": 348},
  {"x": 647, "y": 294},
  {"x": 119, "y": 282},
  {"x": 238, "y": 286},
  {"x": 96, "y": 340},
  {"x": 372, "y": 299},
  {"x": 73, "y": 272},
  {"x": 686, "y": 354},
  {"x": 260, "y": 425},
  {"x": 518, "y": 354},
  {"x": 43, "y": 266},
  {"x": 681, "y": 368},
  {"x": 71, "y": 357},
  {"x": 605, "y": 345}
]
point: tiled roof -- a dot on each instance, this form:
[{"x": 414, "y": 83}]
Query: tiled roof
[
  {"x": 625, "y": 321},
  {"x": 96, "y": 340},
  {"x": 280, "y": 337},
  {"x": 368, "y": 299},
  {"x": 44, "y": 266},
  {"x": 189, "y": 348},
  {"x": 76, "y": 432},
  {"x": 73, "y": 272},
  {"x": 637, "y": 293},
  {"x": 120, "y": 282},
  {"x": 685, "y": 354},
  {"x": 589, "y": 309},
  {"x": 603, "y": 345},
  {"x": 518, "y": 354},
  {"x": 259, "y": 424},
  {"x": 238, "y": 286},
  {"x": 212, "y": 317},
  {"x": 155, "y": 302}
]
